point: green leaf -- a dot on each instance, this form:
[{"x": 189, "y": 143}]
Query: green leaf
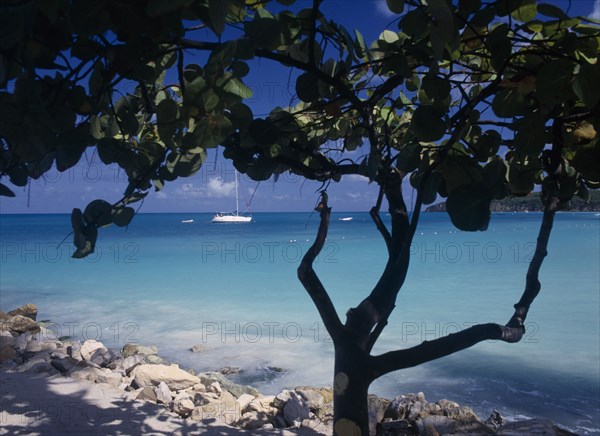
[
  {"x": 217, "y": 11},
  {"x": 469, "y": 208},
  {"x": 98, "y": 213},
  {"x": 587, "y": 161},
  {"x": 551, "y": 11},
  {"x": 5, "y": 191},
  {"x": 530, "y": 137},
  {"x": 236, "y": 87},
  {"x": 509, "y": 103},
  {"x": 436, "y": 88},
  {"x": 307, "y": 88},
  {"x": 264, "y": 132},
  {"x": 396, "y": 6},
  {"x": 122, "y": 216},
  {"x": 553, "y": 84},
  {"x": 389, "y": 36},
  {"x": 486, "y": 144},
  {"x": 167, "y": 111},
  {"x": 430, "y": 187},
  {"x": 586, "y": 85},
  {"x": 409, "y": 157},
  {"x": 265, "y": 32},
  {"x": 526, "y": 11},
  {"x": 427, "y": 123}
]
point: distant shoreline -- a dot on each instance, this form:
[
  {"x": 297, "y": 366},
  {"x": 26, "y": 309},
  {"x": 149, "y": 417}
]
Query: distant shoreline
[{"x": 531, "y": 203}]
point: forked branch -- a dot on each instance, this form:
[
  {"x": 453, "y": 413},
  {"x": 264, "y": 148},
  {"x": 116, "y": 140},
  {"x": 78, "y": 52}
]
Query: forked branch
[
  {"x": 310, "y": 280},
  {"x": 511, "y": 332}
]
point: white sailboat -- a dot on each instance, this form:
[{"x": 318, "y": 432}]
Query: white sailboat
[{"x": 232, "y": 217}]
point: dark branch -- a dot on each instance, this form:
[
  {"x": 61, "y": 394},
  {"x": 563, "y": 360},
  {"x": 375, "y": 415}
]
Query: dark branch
[
  {"x": 374, "y": 212},
  {"x": 309, "y": 278},
  {"x": 431, "y": 350}
]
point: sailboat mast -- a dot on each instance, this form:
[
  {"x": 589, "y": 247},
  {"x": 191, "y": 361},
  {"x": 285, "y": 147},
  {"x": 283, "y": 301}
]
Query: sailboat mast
[{"x": 237, "y": 207}]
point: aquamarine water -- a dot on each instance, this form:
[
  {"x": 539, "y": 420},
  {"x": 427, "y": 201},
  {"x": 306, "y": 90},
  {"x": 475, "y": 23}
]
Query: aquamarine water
[{"x": 233, "y": 289}]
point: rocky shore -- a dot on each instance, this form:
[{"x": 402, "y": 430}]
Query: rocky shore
[{"x": 135, "y": 382}]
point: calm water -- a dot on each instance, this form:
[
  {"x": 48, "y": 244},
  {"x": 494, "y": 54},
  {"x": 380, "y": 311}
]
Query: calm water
[{"x": 233, "y": 289}]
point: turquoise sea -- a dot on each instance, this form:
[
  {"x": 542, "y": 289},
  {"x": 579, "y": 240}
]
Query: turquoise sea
[{"x": 233, "y": 289}]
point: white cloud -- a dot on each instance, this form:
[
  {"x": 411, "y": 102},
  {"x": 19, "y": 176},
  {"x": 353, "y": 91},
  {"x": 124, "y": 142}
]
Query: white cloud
[
  {"x": 214, "y": 188},
  {"x": 356, "y": 178},
  {"x": 161, "y": 195},
  {"x": 596, "y": 11},
  {"x": 381, "y": 7},
  {"x": 355, "y": 195}
]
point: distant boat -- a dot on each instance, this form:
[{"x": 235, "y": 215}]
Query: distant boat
[
  {"x": 232, "y": 217},
  {"x": 348, "y": 218},
  {"x": 187, "y": 221}
]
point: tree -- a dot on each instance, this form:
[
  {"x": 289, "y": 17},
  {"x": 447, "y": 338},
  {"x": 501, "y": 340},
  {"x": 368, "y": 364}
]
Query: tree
[{"x": 423, "y": 103}]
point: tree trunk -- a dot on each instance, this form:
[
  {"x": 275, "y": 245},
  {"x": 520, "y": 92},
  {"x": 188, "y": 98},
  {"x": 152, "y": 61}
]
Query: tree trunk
[{"x": 350, "y": 390}]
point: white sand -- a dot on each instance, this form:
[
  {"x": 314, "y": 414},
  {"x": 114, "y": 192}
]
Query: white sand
[{"x": 38, "y": 405}]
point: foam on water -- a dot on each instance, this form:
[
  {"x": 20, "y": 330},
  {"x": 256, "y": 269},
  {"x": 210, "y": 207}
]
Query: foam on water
[{"x": 234, "y": 290}]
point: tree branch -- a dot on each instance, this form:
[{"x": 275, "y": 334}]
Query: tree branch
[
  {"x": 309, "y": 279},
  {"x": 374, "y": 212},
  {"x": 431, "y": 350}
]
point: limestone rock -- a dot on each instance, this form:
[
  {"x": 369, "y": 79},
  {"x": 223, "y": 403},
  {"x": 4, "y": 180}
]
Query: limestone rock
[
  {"x": 174, "y": 377},
  {"x": 183, "y": 407},
  {"x": 33, "y": 347},
  {"x": 214, "y": 387},
  {"x": 89, "y": 347},
  {"x": 131, "y": 349},
  {"x": 28, "y": 310},
  {"x": 254, "y": 420},
  {"x": 153, "y": 359},
  {"x": 281, "y": 399},
  {"x": 295, "y": 410},
  {"x": 377, "y": 407},
  {"x": 20, "y": 324},
  {"x": 163, "y": 393},
  {"x": 230, "y": 370},
  {"x": 74, "y": 351},
  {"x": 435, "y": 425},
  {"x": 313, "y": 399},
  {"x": 128, "y": 364},
  {"x": 198, "y": 348},
  {"x": 22, "y": 340},
  {"x": 244, "y": 400},
  {"x": 64, "y": 365},
  {"x": 208, "y": 377},
  {"x": 495, "y": 420},
  {"x": 147, "y": 394}
]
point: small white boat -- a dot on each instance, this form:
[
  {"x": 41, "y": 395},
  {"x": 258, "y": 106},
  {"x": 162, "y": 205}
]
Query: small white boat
[
  {"x": 187, "y": 221},
  {"x": 232, "y": 217},
  {"x": 348, "y": 218}
]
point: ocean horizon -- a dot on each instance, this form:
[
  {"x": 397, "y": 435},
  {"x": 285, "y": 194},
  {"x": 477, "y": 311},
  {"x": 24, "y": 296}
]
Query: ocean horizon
[{"x": 233, "y": 289}]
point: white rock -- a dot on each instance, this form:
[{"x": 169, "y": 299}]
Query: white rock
[
  {"x": 215, "y": 387},
  {"x": 89, "y": 347},
  {"x": 163, "y": 393},
  {"x": 151, "y": 375},
  {"x": 244, "y": 400},
  {"x": 22, "y": 340},
  {"x": 295, "y": 410},
  {"x": 183, "y": 407},
  {"x": 33, "y": 347}
]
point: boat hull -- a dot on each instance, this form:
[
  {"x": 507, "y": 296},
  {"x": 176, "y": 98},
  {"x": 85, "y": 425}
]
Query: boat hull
[{"x": 224, "y": 219}]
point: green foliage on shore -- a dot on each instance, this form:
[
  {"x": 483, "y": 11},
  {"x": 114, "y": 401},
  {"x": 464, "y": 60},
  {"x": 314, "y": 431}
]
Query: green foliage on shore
[{"x": 533, "y": 203}]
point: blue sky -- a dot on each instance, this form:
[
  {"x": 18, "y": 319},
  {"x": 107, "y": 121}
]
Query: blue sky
[{"x": 212, "y": 188}]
